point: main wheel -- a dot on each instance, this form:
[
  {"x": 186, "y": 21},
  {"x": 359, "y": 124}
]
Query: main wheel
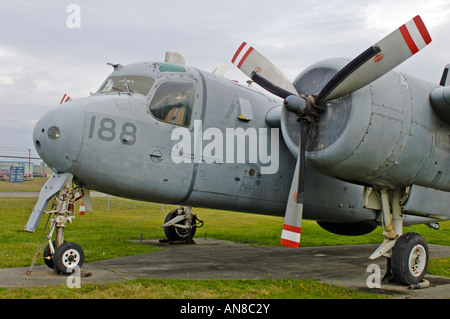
[
  {"x": 67, "y": 257},
  {"x": 176, "y": 233},
  {"x": 409, "y": 260}
]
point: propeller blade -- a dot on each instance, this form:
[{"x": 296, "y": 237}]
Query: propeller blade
[
  {"x": 262, "y": 71},
  {"x": 65, "y": 98},
  {"x": 379, "y": 59},
  {"x": 292, "y": 226}
]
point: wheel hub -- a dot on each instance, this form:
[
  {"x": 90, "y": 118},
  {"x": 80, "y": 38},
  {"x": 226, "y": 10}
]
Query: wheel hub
[
  {"x": 71, "y": 258},
  {"x": 417, "y": 260}
]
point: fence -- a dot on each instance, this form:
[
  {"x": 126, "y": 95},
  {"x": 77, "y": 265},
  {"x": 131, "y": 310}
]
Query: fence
[
  {"x": 16, "y": 153},
  {"x": 28, "y": 159}
]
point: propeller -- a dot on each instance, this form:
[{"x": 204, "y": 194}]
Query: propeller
[{"x": 370, "y": 65}]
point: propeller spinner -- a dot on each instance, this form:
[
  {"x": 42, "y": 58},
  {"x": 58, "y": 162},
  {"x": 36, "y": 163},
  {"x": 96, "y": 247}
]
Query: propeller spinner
[{"x": 374, "y": 62}]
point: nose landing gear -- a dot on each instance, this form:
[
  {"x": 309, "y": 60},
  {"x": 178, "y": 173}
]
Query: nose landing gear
[{"x": 59, "y": 255}]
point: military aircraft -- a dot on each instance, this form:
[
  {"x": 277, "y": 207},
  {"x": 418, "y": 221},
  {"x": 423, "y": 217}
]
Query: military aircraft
[{"x": 361, "y": 146}]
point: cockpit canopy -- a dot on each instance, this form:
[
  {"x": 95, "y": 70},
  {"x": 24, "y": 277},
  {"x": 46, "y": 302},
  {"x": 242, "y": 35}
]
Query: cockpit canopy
[
  {"x": 128, "y": 84},
  {"x": 172, "y": 98}
]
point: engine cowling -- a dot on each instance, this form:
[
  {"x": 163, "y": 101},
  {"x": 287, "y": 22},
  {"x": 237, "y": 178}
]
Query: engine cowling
[{"x": 384, "y": 135}]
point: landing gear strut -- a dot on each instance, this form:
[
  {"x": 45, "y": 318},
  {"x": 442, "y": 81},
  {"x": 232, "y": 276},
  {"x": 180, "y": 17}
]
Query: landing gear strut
[
  {"x": 407, "y": 253},
  {"x": 181, "y": 224},
  {"x": 61, "y": 256}
]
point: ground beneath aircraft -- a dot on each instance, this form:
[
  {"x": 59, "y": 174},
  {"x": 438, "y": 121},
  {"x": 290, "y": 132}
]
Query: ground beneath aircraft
[{"x": 337, "y": 265}]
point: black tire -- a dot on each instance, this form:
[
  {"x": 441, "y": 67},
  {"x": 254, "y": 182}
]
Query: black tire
[
  {"x": 175, "y": 233},
  {"x": 49, "y": 261},
  {"x": 409, "y": 260},
  {"x": 67, "y": 257}
]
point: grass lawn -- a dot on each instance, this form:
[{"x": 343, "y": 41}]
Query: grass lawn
[
  {"x": 193, "y": 289},
  {"x": 106, "y": 234},
  {"x": 27, "y": 186}
]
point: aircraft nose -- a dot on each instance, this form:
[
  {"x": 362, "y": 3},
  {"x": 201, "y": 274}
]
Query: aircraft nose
[{"x": 58, "y": 136}]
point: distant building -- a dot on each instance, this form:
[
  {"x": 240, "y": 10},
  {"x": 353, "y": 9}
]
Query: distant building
[{"x": 5, "y": 167}]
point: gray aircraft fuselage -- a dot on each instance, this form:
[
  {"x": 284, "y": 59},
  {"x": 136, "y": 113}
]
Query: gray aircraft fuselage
[{"x": 120, "y": 141}]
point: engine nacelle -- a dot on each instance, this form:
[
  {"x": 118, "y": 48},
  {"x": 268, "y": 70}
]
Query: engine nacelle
[{"x": 384, "y": 135}]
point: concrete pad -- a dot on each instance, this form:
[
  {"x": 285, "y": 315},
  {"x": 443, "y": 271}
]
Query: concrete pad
[
  {"x": 41, "y": 276},
  {"x": 337, "y": 265}
]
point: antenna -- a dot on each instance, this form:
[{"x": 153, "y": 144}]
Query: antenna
[{"x": 175, "y": 57}]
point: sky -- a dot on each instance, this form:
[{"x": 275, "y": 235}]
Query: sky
[{"x": 45, "y": 53}]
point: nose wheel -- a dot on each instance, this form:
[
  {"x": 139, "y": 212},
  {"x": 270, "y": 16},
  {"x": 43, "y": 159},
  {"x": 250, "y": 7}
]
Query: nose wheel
[
  {"x": 68, "y": 256},
  {"x": 60, "y": 255}
]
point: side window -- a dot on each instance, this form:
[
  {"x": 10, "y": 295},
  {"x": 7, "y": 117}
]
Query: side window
[{"x": 173, "y": 102}]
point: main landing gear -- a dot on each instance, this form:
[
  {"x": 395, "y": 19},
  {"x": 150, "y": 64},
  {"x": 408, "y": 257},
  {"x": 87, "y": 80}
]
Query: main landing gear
[
  {"x": 60, "y": 255},
  {"x": 180, "y": 225},
  {"x": 407, "y": 254}
]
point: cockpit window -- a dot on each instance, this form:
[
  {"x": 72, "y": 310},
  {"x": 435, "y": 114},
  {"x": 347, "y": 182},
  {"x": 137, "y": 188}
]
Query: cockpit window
[
  {"x": 128, "y": 84},
  {"x": 173, "y": 102}
]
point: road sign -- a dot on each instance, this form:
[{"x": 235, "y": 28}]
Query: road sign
[{"x": 17, "y": 174}]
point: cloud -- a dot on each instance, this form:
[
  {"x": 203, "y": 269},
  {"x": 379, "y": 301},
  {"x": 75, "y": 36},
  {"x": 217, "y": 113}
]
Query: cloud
[
  {"x": 387, "y": 15},
  {"x": 41, "y": 58}
]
